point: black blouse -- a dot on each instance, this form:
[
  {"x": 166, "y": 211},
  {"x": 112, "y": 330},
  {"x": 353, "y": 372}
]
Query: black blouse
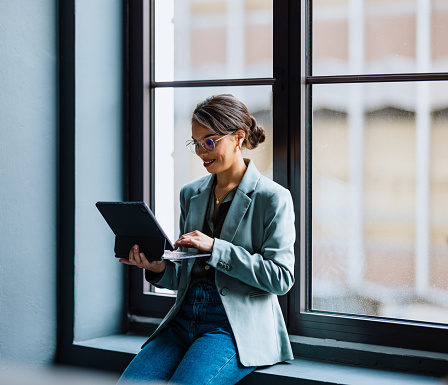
[{"x": 202, "y": 272}]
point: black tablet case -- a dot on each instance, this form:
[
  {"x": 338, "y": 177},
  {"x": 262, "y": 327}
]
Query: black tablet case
[{"x": 134, "y": 223}]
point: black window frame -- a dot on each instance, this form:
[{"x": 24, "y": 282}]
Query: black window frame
[
  {"x": 292, "y": 84},
  {"x": 343, "y": 327}
]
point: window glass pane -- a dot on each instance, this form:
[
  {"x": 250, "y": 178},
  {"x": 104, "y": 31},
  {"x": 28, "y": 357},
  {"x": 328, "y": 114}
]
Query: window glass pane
[
  {"x": 439, "y": 31},
  {"x": 207, "y": 39},
  {"x": 330, "y": 37},
  {"x": 379, "y": 36},
  {"x": 390, "y": 29},
  {"x": 438, "y": 265},
  {"x": 379, "y": 207}
]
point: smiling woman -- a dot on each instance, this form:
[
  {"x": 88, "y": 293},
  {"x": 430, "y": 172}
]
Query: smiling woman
[
  {"x": 246, "y": 223},
  {"x": 227, "y": 120},
  {"x": 174, "y": 167}
]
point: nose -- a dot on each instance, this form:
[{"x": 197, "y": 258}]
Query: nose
[{"x": 200, "y": 150}]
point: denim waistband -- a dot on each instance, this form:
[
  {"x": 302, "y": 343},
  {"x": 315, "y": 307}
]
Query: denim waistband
[{"x": 202, "y": 293}]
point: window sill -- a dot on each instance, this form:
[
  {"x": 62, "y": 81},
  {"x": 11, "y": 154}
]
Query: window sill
[
  {"x": 313, "y": 367},
  {"x": 370, "y": 356}
]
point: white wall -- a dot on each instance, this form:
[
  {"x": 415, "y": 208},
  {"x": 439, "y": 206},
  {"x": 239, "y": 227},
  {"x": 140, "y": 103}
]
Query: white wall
[
  {"x": 28, "y": 180},
  {"x": 98, "y": 164},
  {"x": 28, "y": 174}
]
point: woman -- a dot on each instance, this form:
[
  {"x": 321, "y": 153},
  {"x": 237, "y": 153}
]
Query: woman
[{"x": 226, "y": 320}]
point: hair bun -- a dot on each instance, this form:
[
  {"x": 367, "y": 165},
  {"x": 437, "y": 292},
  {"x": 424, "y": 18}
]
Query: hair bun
[{"x": 257, "y": 134}]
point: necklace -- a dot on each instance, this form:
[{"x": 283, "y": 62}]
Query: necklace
[{"x": 218, "y": 201}]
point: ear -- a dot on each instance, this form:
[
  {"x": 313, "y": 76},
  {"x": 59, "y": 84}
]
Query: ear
[{"x": 240, "y": 135}]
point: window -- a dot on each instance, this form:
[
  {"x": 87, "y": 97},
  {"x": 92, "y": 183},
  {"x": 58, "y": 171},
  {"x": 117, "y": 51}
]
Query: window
[
  {"x": 375, "y": 244},
  {"x": 353, "y": 99}
]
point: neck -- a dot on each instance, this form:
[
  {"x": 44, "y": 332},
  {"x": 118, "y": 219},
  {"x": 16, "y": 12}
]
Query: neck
[{"x": 231, "y": 177}]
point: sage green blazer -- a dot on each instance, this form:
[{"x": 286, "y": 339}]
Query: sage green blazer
[{"x": 254, "y": 262}]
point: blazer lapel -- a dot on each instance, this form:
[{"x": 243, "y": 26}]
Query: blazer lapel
[
  {"x": 241, "y": 202},
  {"x": 197, "y": 211},
  {"x": 198, "y": 206}
]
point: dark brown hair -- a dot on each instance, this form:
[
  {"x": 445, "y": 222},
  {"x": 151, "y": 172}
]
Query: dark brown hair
[{"x": 224, "y": 114}]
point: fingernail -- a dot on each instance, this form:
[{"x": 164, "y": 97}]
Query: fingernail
[{"x": 135, "y": 247}]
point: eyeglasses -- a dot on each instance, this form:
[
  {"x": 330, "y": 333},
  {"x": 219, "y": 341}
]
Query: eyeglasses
[{"x": 207, "y": 144}]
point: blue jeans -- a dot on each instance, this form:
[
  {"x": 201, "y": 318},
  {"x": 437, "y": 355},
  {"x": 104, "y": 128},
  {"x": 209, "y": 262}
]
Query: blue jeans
[{"x": 196, "y": 347}]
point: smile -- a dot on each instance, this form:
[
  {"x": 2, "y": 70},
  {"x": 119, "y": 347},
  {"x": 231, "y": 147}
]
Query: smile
[{"x": 208, "y": 163}]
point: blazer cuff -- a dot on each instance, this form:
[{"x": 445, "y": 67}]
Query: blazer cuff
[
  {"x": 218, "y": 258},
  {"x": 152, "y": 277},
  {"x": 162, "y": 279}
]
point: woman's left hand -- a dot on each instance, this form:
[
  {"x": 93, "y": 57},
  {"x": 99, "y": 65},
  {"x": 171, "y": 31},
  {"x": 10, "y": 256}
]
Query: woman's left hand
[{"x": 197, "y": 240}]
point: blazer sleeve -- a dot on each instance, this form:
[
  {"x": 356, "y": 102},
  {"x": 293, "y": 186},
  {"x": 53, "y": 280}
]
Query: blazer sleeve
[
  {"x": 272, "y": 268},
  {"x": 170, "y": 278}
]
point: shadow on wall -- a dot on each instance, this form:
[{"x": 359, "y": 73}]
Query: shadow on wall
[{"x": 12, "y": 374}]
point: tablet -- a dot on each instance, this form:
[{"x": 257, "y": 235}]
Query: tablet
[{"x": 133, "y": 223}]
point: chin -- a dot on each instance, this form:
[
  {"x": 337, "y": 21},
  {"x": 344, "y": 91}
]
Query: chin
[{"x": 212, "y": 171}]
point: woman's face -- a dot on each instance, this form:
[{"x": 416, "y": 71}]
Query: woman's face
[{"x": 226, "y": 153}]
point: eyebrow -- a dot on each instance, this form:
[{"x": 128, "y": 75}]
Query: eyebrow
[{"x": 206, "y": 136}]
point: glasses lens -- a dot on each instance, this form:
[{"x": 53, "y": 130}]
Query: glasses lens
[
  {"x": 192, "y": 146},
  {"x": 209, "y": 144}
]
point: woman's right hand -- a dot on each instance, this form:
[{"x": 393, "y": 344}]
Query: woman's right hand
[{"x": 138, "y": 259}]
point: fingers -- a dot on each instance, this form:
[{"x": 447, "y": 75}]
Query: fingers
[
  {"x": 197, "y": 240},
  {"x": 185, "y": 240},
  {"x": 136, "y": 257},
  {"x": 183, "y": 243},
  {"x": 134, "y": 254},
  {"x": 139, "y": 259}
]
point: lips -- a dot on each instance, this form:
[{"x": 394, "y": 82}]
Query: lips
[{"x": 207, "y": 163}]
